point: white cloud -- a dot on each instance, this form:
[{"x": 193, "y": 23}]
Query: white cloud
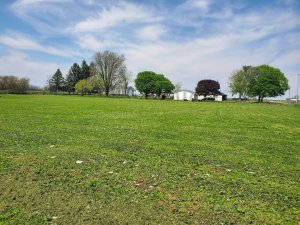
[
  {"x": 24, "y": 3},
  {"x": 19, "y": 41},
  {"x": 21, "y": 65},
  {"x": 202, "y": 4},
  {"x": 151, "y": 32},
  {"x": 116, "y": 15},
  {"x": 46, "y": 16},
  {"x": 288, "y": 59},
  {"x": 90, "y": 42}
]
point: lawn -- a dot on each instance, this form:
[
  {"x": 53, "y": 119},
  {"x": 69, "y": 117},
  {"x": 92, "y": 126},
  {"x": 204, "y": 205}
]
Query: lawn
[{"x": 96, "y": 160}]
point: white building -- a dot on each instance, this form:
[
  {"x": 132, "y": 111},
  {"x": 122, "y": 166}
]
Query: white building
[
  {"x": 184, "y": 95},
  {"x": 218, "y": 98}
]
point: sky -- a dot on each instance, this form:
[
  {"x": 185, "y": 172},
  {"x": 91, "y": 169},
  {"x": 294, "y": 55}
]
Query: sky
[{"x": 186, "y": 40}]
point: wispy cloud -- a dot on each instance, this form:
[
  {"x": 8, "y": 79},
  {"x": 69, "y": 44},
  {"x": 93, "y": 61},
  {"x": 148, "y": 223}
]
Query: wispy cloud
[
  {"x": 24, "y": 3},
  {"x": 20, "y": 64},
  {"x": 19, "y": 41},
  {"x": 116, "y": 15},
  {"x": 151, "y": 32}
]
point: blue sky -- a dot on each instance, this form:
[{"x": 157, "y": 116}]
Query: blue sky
[{"x": 187, "y": 40}]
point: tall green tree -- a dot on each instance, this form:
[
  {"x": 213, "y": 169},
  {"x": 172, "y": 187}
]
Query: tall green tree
[
  {"x": 269, "y": 82},
  {"x": 241, "y": 80},
  {"x": 56, "y": 82},
  {"x": 145, "y": 82},
  {"x": 108, "y": 66},
  {"x": 163, "y": 85},
  {"x": 73, "y": 77},
  {"x": 261, "y": 81},
  {"x": 85, "y": 70},
  {"x": 148, "y": 82}
]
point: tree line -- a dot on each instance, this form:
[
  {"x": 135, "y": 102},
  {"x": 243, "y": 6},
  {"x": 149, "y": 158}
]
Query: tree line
[
  {"x": 14, "y": 85},
  {"x": 108, "y": 71},
  {"x": 105, "y": 72}
]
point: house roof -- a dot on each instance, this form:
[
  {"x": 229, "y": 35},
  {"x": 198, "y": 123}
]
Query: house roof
[
  {"x": 184, "y": 91},
  {"x": 217, "y": 93},
  {"x": 130, "y": 88}
]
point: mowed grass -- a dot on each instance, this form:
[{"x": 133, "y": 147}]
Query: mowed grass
[{"x": 147, "y": 161}]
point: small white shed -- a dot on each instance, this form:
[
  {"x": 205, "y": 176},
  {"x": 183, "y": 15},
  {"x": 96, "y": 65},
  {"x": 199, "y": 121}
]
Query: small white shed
[
  {"x": 184, "y": 95},
  {"x": 218, "y": 98}
]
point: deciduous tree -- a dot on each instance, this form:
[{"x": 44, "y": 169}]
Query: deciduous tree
[
  {"x": 84, "y": 86},
  {"x": 124, "y": 79},
  {"x": 108, "y": 66},
  {"x": 148, "y": 82},
  {"x": 207, "y": 87},
  {"x": 269, "y": 82},
  {"x": 13, "y": 84}
]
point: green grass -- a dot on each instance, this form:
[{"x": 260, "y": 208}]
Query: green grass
[{"x": 147, "y": 161}]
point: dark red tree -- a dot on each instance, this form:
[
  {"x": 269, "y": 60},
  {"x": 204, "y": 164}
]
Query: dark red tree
[{"x": 208, "y": 87}]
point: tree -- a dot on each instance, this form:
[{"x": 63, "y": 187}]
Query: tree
[
  {"x": 73, "y": 77},
  {"x": 207, "y": 87},
  {"x": 108, "y": 66},
  {"x": 85, "y": 70},
  {"x": 57, "y": 82},
  {"x": 241, "y": 80},
  {"x": 124, "y": 79},
  {"x": 23, "y": 85},
  {"x": 162, "y": 85},
  {"x": 148, "y": 82},
  {"x": 14, "y": 85},
  {"x": 145, "y": 82},
  {"x": 268, "y": 82},
  {"x": 97, "y": 84},
  {"x": 177, "y": 86},
  {"x": 84, "y": 86}
]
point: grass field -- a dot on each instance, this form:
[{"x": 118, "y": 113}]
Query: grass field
[{"x": 91, "y": 160}]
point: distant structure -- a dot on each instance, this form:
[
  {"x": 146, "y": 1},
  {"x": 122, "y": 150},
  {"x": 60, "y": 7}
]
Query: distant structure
[
  {"x": 131, "y": 91},
  {"x": 187, "y": 95},
  {"x": 118, "y": 90},
  {"x": 184, "y": 95},
  {"x": 218, "y": 97}
]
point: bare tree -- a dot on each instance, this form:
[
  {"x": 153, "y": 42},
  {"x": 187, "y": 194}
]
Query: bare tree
[
  {"x": 108, "y": 66},
  {"x": 124, "y": 79},
  {"x": 178, "y": 86}
]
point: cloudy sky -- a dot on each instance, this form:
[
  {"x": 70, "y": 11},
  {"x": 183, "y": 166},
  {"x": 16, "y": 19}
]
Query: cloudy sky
[{"x": 187, "y": 40}]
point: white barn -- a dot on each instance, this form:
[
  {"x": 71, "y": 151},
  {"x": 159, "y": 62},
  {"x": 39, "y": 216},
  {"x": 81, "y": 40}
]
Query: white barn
[{"x": 184, "y": 95}]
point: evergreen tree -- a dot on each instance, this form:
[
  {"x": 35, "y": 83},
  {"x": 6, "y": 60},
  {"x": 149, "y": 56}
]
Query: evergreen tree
[
  {"x": 73, "y": 77},
  {"x": 57, "y": 82},
  {"x": 85, "y": 70}
]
